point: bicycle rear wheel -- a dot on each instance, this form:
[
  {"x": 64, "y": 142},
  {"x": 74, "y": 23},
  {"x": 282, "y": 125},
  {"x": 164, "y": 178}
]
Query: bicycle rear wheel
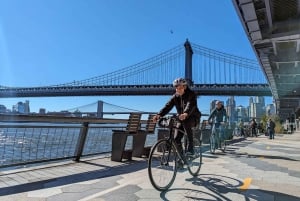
[
  {"x": 162, "y": 166},
  {"x": 212, "y": 141},
  {"x": 195, "y": 160},
  {"x": 221, "y": 140},
  {"x": 223, "y": 145}
]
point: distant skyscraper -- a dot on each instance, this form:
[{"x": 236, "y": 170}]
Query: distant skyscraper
[
  {"x": 260, "y": 100},
  {"x": 241, "y": 113},
  {"x": 27, "y": 108},
  {"x": 230, "y": 108},
  {"x": 212, "y": 105},
  {"x": 256, "y": 107},
  {"x": 42, "y": 111},
  {"x": 2, "y": 109},
  {"x": 250, "y": 100},
  {"x": 22, "y": 108},
  {"x": 270, "y": 109}
]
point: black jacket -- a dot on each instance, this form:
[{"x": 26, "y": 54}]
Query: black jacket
[{"x": 187, "y": 103}]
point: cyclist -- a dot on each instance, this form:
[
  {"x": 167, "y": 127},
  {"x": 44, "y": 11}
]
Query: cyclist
[
  {"x": 219, "y": 115},
  {"x": 185, "y": 101}
]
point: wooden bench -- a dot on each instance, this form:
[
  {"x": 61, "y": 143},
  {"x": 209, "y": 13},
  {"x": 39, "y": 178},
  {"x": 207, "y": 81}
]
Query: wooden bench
[
  {"x": 139, "y": 140},
  {"x": 119, "y": 138}
]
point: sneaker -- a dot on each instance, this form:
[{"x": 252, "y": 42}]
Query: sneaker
[{"x": 180, "y": 165}]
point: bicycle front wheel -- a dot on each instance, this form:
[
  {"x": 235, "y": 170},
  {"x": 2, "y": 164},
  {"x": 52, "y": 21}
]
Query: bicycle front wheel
[
  {"x": 162, "y": 166},
  {"x": 195, "y": 160}
]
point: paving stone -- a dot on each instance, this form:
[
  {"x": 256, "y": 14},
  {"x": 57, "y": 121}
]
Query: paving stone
[
  {"x": 272, "y": 165},
  {"x": 123, "y": 194}
]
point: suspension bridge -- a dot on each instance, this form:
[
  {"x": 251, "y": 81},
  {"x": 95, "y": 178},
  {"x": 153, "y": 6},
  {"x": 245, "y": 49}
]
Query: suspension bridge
[
  {"x": 101, "y": 108},
  {"x": 209, "y": 72}
]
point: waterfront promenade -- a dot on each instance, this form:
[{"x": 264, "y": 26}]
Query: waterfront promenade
[{"x": 251, "y": 169}]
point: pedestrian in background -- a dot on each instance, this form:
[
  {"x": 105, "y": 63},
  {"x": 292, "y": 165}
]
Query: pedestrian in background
[
  {"x": 271, "y": 129},
  {"x": 241, "y": 126},
  {"x": 253, "y": 125}
]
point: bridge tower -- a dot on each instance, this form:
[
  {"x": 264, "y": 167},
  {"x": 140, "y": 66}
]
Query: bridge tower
[
  {"x": 100, "y": 109},
  {"x": 188, "y": 62}
]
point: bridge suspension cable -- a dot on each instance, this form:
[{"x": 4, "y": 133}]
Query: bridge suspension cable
[
  {"x": 208, "y": 69},
  {"x": 146, "y": 72},
  {"x": 211, "y": 66}
]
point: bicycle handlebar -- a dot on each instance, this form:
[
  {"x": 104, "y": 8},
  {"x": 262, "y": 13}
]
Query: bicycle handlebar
[{"x": 168, "y": 121}]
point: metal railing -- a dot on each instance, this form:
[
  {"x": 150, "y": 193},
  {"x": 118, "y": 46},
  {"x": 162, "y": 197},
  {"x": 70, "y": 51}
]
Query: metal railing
[{"x": 26, "y": 139}]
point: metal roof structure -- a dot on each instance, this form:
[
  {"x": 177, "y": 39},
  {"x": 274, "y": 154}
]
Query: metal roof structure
[{"x": 273, "y": 28}]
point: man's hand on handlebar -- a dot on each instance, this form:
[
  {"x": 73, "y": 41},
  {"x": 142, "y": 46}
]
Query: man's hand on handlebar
[
  {"x": 182, "y": 116},
  {"x": 155, "y": 118}
]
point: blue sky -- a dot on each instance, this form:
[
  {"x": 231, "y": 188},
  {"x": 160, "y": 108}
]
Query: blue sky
[{"x": 45, "y": 42}]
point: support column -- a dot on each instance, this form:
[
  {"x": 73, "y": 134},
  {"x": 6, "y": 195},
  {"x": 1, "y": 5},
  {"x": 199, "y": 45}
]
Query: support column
[
  {"x": 188, "y": 62},
  {"x": 277, "y": 106}
]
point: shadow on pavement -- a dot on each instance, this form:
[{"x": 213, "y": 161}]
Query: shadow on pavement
[
  {"x": 246, "y": 155},
  {"x": 191, "y": 194},
  {"x": 223, "y": 188},
  {"x": 218, "y": 185},
  {"x": 123, "y": 168}
]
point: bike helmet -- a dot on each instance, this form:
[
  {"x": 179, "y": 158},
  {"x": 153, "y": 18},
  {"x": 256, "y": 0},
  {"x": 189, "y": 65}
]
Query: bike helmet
[
  {"x": 218, "y": 102},
  {"x": 179, "y": 81}
]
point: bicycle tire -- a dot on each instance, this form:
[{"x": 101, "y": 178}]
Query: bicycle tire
[
  {"x": 212, "y": 142},
  {"x": 195, "y": 161},
  {"x": 223, "y": 145},
  {"x": 221, "y": 141},
  {"x": 162, "y": 166}
]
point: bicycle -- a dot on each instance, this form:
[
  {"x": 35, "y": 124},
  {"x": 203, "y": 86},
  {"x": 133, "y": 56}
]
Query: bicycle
[
  {"x": 217, "y": 138},
  {"x": 236, "y": 132},
  {"x": 165, "y": 156}
]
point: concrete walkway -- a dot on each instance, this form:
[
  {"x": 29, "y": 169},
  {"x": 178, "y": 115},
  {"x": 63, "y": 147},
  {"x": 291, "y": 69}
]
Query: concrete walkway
[{"x": 251, "y": 169}]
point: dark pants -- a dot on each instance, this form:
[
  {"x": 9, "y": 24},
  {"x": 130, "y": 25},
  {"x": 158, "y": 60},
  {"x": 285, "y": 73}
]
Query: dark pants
[
  {"x": 271, "y": 133},
  {"x": 254, "y": 132},
  {"x": 187, "y": 126},
  {"x": 242, "y": 132}
]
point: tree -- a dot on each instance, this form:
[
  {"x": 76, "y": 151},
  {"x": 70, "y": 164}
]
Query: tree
[{"x": 276, "y": 119}]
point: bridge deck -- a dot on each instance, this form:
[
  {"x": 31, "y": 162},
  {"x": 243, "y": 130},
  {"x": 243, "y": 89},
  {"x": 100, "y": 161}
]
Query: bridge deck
[{"x": 251, "y": 169}]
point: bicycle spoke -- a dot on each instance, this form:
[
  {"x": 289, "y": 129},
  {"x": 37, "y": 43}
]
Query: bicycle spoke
[{"x": 162, "y": 167}]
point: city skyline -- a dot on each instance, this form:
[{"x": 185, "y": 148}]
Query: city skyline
[{"x": 230, "y": 103}]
